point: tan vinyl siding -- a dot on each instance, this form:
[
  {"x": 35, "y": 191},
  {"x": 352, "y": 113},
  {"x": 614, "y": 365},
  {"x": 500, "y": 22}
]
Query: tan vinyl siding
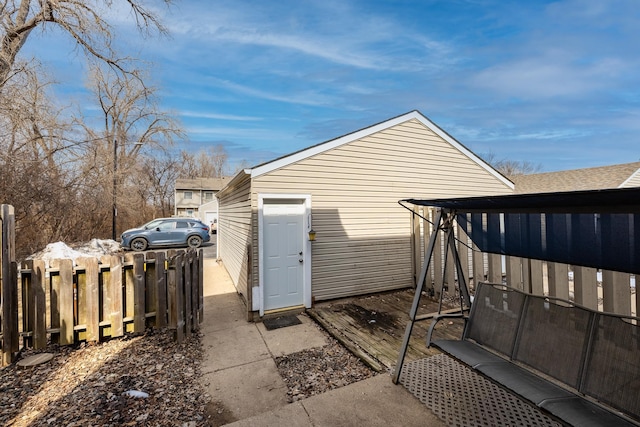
[
  {"x": 234, "y": 228},
  {"x": 363, "y": 235}
]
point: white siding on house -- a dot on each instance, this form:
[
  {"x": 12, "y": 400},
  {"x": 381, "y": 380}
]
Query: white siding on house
[
  {"x": 633, "y": 180},
  {"x": 234, "y": 229},
  {"x": 363, "y": 235}
]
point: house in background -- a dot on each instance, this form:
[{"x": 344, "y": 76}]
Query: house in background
[
  {"x": 195, "y": 198},
  {"x": 624, "y": 175},
  {"x": 325, "y": 223}
]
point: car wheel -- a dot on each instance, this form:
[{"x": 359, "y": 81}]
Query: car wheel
[
  {"x": 194, "y": 241},
  {"x": 139, "y": 244}
]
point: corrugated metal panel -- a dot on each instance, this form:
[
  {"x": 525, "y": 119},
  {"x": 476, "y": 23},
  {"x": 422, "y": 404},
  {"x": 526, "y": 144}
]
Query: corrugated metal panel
[
  {"x": 234, "y": 228},
  {"x": 363, "y": 241}
]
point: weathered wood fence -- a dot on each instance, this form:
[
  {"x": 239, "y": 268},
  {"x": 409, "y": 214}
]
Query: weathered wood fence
[
  {"x": 602, "y": 290},
  {"x": 9, "y": 337},
  {"x": 95, "y": 299}
]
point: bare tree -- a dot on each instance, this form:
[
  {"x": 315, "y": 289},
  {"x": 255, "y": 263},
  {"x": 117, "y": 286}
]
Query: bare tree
[
  {"x": 509, "y": 167},
  {"x": 131, "y": 123},
  {"x": 211, "y": 163},
  {"x": 35, "y": 158},
  {"x": 81, "y": 19}
]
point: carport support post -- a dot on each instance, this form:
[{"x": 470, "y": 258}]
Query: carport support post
[{"x": 416, "y": 299}]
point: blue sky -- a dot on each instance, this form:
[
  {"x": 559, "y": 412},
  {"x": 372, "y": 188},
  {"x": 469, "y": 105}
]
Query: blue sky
[{"x": 555, "y": 83}]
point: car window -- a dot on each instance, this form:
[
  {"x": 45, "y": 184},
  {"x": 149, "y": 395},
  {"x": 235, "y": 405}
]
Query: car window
[
  {"x": 182, "y": 224},
  {"x": 167, "y": 225},
  {"x": 153, "y": 224}
]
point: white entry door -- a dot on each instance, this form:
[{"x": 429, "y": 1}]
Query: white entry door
[{"x": 283, "y": 255}]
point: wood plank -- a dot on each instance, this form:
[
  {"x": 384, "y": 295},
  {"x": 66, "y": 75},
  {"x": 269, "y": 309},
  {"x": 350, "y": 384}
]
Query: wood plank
[
  {"x": 139, "y": 306},
  {"x": 372, "y": 327},
  {"x": 616, "y": 292},
  {"x": 558, "y": 276},
  {"x": 157, "y": 281},
  {"x": 172, "y": 277},
  {"x": 65, "y": 299},
  {"x": 200, "y": 286},
  {"x": 38, "y": 281},
  {"x": 495, "y": 268},
  {"x": 87, "y": 273},
  {"x": 515, "y": 278},
  {"x": 585, "y": 285},
  {"x": 537, "y": 276},
  {"x": 116, "y": 308},
  {"x": 188, "y": 314}
]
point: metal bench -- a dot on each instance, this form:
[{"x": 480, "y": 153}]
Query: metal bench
[{"x": 579, "y": 365}]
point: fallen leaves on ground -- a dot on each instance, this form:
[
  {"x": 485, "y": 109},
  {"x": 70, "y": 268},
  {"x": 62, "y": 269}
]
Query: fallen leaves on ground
[
  {"x": 147, "y": 380},
  {"x": 318, "y": 370}
]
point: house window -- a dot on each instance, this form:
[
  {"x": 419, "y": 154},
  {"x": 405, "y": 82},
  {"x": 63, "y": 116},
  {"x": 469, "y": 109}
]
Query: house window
[
  {"x": 208, "y": 196},
  {"x": 188, "y": 195},
  {"x": 190, "y": 212}
]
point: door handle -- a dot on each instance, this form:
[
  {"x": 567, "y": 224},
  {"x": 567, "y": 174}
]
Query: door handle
[
  {"x": 300, "y": 260},
  {"x": 300, "y": 253}
]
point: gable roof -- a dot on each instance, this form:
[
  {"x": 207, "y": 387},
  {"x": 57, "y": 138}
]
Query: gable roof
[
  {"x": 596, "y": 178},
  {"x": 206, "y": 184},
  {"x": 337, "y": 142}
]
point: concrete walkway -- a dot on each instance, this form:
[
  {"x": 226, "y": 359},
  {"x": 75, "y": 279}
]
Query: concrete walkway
[{"x": 240, "y": 374}]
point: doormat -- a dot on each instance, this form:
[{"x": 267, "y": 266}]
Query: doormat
[{"x": 281, "y": 322}]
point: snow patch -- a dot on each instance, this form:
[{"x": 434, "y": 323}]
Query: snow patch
[{"x": 94, "y": 248}]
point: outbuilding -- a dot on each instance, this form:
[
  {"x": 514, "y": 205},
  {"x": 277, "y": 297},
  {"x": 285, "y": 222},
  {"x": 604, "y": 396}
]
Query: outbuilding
[{"x": 325, "y": 223}]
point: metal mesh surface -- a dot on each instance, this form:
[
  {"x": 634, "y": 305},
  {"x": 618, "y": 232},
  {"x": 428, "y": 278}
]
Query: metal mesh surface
[
  {"x": 499, "y": 310},
  {"x": 461, "y": 397},
  {"x": 613, "y": 369},
  {"x": 553, "y": 338}
]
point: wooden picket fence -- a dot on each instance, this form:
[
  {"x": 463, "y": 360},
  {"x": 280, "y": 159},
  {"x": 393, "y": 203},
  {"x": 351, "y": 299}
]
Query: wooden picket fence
[{"x": 97, "y": 299}]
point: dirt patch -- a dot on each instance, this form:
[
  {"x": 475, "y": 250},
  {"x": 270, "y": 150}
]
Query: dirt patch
[
  {"x": 218, "y": 414},
  {"x": 372, "y": 320},
  {"x": 318, "y": 370}
]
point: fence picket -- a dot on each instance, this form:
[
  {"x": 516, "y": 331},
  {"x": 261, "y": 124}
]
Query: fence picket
[
  {"x": 88, "y": 297},
  {"x": 63, "y": 286},
  {"x": 156, "y": 280},
  {"x": 135, "y": 291},
  {"x": 585, "y": 285},
  {"x": 116, "y": 310},
  {"x": 616, "y": 292},
  {"x": 188, "y": 313}
]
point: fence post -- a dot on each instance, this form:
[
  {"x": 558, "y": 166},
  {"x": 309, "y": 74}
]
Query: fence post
[{"x": 8, "y": 285}]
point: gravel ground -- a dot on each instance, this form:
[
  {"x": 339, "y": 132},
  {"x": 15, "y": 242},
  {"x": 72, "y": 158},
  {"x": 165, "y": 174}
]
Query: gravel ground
[{"x": 90, "y": 385}]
